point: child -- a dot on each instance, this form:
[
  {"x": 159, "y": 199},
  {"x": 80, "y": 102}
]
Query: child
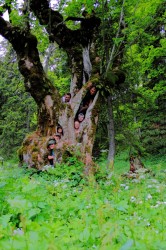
[
  {"x": 88, "y": 99},
  {"x": 57, "y": 137},
  {"x": 81, "y": 117},
  {"x": 51, "y": 154},
  {"x": 60, "y": 130},
  {"x": 76, "y": 125}
]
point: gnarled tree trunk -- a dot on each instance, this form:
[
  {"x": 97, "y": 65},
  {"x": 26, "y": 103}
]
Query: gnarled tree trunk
[{"x": 51, "y": 111}]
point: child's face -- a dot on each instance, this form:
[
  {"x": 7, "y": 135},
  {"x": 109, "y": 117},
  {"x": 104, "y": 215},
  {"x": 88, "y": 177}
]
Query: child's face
[
  {"x": 80, "y": 118},
  {"x": 76, "y": 125},
  {"x": 93, "y": 91},
  {"x": 67, "y": 98},
  {"x": 52, "y": 146},
  {"x": 59, "y": 130},
  {"x": 57, "y": 138}
]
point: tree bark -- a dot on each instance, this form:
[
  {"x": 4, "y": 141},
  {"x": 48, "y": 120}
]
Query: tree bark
[
  {"x": 135, "y": 163},
  {"x": 51, "y": 111},
  {"x": 49, "y": 52},
  {"x": 111, "y": 135}
]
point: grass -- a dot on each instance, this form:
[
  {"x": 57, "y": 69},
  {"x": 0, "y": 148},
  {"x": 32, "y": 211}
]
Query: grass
[{"x": 59, "y": 209}]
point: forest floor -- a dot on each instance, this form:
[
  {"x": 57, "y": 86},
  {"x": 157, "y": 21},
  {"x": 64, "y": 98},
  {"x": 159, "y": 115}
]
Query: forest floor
[{"x": 60, "y": 209}]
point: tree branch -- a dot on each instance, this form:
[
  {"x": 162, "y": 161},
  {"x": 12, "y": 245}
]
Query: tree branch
[
  {"x": 117, "y": 35},
  {"x": 56, "y": 28},
  {"x": 25, "y": 45}
]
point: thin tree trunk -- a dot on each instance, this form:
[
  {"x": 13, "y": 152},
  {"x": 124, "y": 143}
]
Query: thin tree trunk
[
  {"x": 117, "y": 35},
  {"x": 111, "y": 129},
  {"x": 28, "y": 120},
  {"x": 49, "y": 52},
  {"x": 111, "y": 134}
]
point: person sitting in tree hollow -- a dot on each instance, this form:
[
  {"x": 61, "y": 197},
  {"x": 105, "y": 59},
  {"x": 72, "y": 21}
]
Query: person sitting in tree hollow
[
  {"x": 88, "y": 99},
  {"x": 81, "y": 117},
  {"x": 51, "y": 154},
  {"x": 76, "y": 126},
  {"x": 57, "y": 137},
  {"x": 66, "y": 98},
  {"x": 59, "y": 130}
]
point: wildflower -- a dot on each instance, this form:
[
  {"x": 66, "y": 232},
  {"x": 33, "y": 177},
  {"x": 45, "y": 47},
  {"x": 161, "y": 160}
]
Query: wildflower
[
  {"x": 56, "y": 183},
  {"x": 64, "y": 180},
  {"x": 109, "y": 176},
  {"x": 104, "y": 150},
  {"x": 132, "y": 199},
  {"x": 94, "y": 246},
  {"x": 125, "y": 186},
  {"x": 46, "y": 167},
  {"x": 148, "y": 197},
  {"x": 106, "y": 201},
  {"x": 158, "y": 189},
  {"x": 88, "y": 206},
  {"x": 161, "y": 202},
  {"x": 108, "y": 183},
  {"x": 18, "y": 231},
  {"x": 142, "y": 177},
  {"x": 154, "y": 181},
  {"x": 135, "y": 181},
  {"x": 155, "y": 206}
]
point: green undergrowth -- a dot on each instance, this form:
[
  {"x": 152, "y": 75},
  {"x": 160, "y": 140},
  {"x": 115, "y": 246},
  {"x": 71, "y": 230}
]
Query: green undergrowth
[{"x": 60, "y": 209}]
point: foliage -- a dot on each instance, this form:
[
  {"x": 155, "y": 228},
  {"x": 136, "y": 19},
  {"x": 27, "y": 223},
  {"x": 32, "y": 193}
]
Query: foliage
[
  {"x": 59, "y": 209},
  {"x": 144, "y": 64},
  {"x": 58, "y": 71},
  {"x": 18, "y": 110},
  {"x": 138, "y": 103}
]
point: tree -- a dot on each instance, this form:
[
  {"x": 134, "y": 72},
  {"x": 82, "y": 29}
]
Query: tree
[
  {"x": 112, "y": 73},
  {"x": 51, "y": 112}
]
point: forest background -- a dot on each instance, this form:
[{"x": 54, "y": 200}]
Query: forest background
[
  {"x": 60, "y": 208},
  {"x": 138, "y": 103}
]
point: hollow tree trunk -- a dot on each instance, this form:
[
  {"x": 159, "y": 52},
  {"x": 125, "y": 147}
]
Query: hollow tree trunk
[{"x": 51, "y": 111}]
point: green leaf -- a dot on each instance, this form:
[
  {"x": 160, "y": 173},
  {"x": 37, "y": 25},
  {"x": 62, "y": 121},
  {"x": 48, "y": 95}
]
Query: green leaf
[
  {"x": 32, "y": 212},
  {"x": 84, "y": 236},
  {"x": 2, "y": 184},
  {"x": 4, "y": 220},
  {"x": 127, "y": 245},
  {"x": 19, "y": 203}
]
